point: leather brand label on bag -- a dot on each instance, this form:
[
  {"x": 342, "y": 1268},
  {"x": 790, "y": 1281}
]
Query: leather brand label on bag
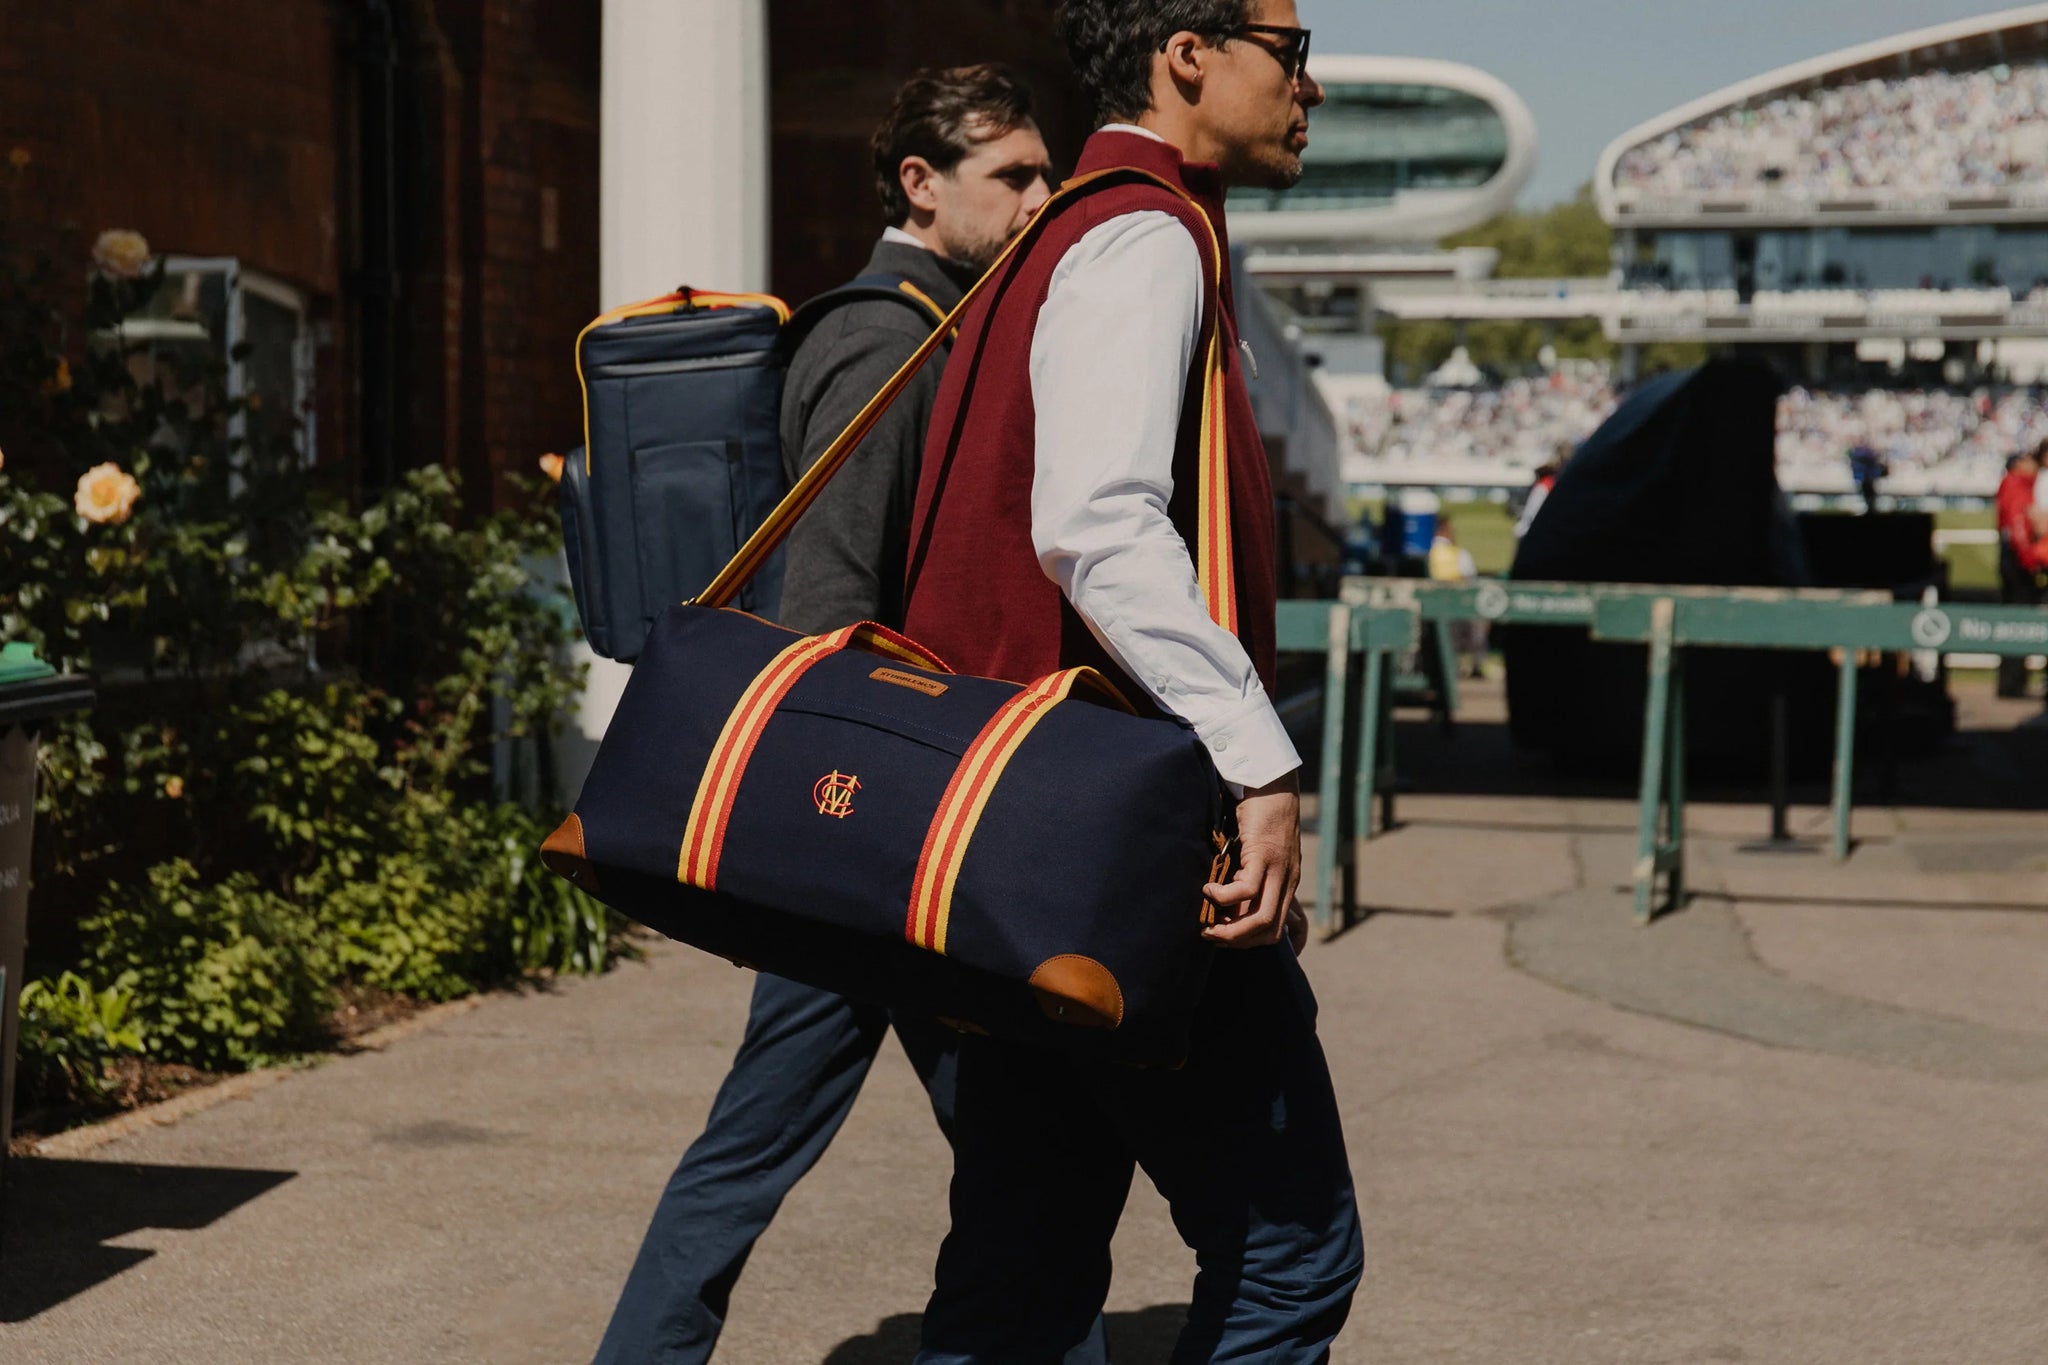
[{"x": 930, "y": 687}]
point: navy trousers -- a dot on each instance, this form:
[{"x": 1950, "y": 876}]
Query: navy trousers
[
  {"x": 797, "y": 1074},
  {"x": 798, "y": 1071},
  {"x": 1244, "y": 1142}
]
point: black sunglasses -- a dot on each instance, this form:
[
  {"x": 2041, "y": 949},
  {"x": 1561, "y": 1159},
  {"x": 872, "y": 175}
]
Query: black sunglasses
[{"x": 1292, "y": 56}]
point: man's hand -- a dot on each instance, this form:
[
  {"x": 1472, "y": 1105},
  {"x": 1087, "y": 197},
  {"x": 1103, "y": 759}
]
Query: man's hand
[{"x": 1254, "y": 902}]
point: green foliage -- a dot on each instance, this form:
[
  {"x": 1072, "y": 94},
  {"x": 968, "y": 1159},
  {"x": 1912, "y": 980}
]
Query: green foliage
[
  {"x": 225, "y": 975},
  {"x": 285, "y": 786},
  {"x": 1565, "y": 241},
  {"x": 69, "y": 1033}
]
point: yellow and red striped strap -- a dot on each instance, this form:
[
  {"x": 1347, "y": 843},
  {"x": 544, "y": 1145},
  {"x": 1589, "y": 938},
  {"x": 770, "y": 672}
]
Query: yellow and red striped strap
[
  {"x": 1213, "y": 556},
  {"x": 967, "y": 795},
  {"x": 665, "y": 303},
  {"x": 1215, "y": 565},
  {"x": 718, "y": 790}
]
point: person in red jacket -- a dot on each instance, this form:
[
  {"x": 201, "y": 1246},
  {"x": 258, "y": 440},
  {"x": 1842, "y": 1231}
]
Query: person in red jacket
[
  {"x": 2022, "y": 555},
  {"x": 1088, "y": 496}
]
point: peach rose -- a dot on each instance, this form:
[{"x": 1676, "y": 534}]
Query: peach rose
[
  {"x": 106, "y": 494},
  {"x": 121, "y": 253},
  {"x": 551, "y": 465},
  {"x": 19, "y": 158},
  {"x": 174, "y": 787}
]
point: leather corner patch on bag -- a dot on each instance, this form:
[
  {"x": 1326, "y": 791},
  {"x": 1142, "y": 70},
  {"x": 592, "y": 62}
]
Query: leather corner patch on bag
[{"x": 931, "y": 687}]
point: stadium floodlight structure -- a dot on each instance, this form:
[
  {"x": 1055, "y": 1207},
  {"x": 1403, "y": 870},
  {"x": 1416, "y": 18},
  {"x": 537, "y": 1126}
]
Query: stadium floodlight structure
[{"x": 1404, "y": 150}]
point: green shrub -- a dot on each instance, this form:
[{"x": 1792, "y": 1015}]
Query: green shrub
[
  {"x": 224, "y": 975},
  {"x": 69, "y": 1033},
  {"x": 285, "y": 786}
]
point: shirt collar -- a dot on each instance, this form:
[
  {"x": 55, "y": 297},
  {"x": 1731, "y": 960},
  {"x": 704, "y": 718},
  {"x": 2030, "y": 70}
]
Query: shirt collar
[
  {"x": 1130, "y": 128},
  {"x": 902, "y": 238}
]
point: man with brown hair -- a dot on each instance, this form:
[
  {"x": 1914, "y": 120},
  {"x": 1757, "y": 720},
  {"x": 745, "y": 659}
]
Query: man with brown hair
[{"x": 960, "y": 169}]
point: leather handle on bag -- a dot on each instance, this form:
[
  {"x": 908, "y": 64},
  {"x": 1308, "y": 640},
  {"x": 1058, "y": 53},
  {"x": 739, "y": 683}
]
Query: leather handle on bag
[
  {"x": 1213, "y": 556},
  {"x": 881, "y": 641}
]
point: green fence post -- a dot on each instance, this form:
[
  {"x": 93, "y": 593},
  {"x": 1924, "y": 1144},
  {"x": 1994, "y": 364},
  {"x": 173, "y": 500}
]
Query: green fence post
[
  {"x": 1447, "y": 660},
  {"x": 1656, "y": 723},
  {"x": 1371, "y": 723},
  {"x": 1389, "y": 764},
  {"x": 1673, "y": 849},
  {"x": 1331, "y": 831},
  {"x": 1845, "y": 752}
]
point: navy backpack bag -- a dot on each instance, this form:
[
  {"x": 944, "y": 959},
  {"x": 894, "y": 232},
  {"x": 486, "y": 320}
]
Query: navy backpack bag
[{"x": 682, "y": 456}]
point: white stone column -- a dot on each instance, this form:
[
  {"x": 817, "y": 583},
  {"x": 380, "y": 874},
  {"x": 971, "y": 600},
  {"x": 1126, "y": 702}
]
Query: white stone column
[
  {"x": 683, "y": 135},
  {"x": 683, "y": 199}
]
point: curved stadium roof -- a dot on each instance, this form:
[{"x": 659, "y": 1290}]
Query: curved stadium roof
[
  {"x": 1969, "y": 44},
  {"x": 1406, "y": 149}
]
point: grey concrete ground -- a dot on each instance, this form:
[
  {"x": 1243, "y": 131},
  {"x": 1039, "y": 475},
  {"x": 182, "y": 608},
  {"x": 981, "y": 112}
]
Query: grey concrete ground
[{"x": 1804, "y": 1121}]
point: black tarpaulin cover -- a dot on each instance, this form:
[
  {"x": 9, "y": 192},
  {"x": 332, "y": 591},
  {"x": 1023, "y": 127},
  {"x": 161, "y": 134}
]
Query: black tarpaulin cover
[{"x": 1678, "y": 486}]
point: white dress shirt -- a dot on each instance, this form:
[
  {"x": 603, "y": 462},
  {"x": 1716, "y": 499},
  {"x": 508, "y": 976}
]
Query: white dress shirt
[{"x": 1109, "y": 364}]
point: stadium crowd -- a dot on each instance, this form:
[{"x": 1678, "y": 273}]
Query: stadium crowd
[
  {"x": 1950, "y": 442},
  {"x": 1522, "y": 422},
  {"x": 1937, "y": 132},
  {"x": 1929, "y": 440}
]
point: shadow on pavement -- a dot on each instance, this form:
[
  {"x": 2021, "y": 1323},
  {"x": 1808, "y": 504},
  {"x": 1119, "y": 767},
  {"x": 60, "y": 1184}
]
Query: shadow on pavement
[
  {"x": 57, "y": 1215},
  {"x": 1145, "y": 1337}
]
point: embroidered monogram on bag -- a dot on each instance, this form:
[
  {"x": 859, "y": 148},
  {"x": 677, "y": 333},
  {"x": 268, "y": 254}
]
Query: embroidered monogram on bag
[{"x": 834, "y": 794}]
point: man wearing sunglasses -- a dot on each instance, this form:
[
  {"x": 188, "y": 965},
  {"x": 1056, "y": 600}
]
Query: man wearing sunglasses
[{"x": 1060, "y": 507}]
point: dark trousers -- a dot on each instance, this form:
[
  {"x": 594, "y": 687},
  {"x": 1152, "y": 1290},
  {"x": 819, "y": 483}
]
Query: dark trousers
[
  {"x": 798, "y": 1072},
  {"x": 1244, "y": 1142},
  {"x": 2020, "y": 588}
]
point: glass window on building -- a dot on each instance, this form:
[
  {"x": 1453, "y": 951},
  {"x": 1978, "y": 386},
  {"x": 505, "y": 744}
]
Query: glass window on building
[
  {"x": 1371, "y": 142},
  {"x": 1972, "y": 256},
  {"x": 212, "y": 316}
]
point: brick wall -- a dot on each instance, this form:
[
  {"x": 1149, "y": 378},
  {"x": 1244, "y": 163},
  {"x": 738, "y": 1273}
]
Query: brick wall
[
  {"x": 506, "y": 237},
  {"x": 234, "y": 128},
  {"x": 833, "y": 68}
]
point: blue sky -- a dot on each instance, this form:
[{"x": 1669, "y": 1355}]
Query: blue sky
[{"x": 1592, "y": 69}]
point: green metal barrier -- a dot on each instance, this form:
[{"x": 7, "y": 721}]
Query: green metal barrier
[
  {"x": 1669, "y": 620},
  {"x": 1489, "y": 600},
  {"x": 1342, "y": 632},
  {"x": 1493, "y": 601}
]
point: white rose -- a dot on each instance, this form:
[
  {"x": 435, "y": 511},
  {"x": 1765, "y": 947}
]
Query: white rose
[
  {"x": 106, "y": 494},
  {"x": 121, "y": 253}
]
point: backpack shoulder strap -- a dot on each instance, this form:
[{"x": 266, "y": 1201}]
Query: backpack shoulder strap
[
  {"x": 876, "y": 288},
  {"x": 771, "y": 532}
]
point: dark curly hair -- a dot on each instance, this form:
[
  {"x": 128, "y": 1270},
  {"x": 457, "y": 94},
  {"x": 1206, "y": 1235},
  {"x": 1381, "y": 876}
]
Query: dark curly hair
[
  {"x": 1112, "y": 43},
  {"x": 940, "y": 114}
]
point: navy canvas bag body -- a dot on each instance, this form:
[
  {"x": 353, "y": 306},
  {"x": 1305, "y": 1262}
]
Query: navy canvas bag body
[
  {"x": 682, "y": 453},
  {"x": 843, "y": 810}
]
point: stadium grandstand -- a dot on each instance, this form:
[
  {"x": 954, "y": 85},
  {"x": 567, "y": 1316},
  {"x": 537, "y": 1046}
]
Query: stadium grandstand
[
  {"x": 1405, "y": 150},
  {"x": 1874, "y": 221}
]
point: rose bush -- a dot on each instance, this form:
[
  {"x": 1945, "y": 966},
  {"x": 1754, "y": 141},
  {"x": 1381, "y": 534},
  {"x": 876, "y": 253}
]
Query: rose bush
[{"x": 284, "y": 793}]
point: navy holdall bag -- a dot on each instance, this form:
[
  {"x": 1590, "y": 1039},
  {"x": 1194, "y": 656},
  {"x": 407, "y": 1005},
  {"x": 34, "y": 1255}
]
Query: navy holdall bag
[{"x": 842, "y": 810}]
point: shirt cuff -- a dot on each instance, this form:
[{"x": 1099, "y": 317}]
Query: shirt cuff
[{"x": 1248, "y": 743}]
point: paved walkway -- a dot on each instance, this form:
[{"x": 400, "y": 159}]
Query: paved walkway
[{"x": 1805, "y": 1121}]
